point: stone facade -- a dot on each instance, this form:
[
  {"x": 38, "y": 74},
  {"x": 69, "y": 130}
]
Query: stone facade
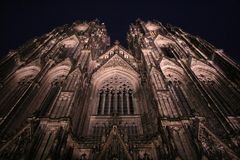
[{"x": 70, "y": 95}]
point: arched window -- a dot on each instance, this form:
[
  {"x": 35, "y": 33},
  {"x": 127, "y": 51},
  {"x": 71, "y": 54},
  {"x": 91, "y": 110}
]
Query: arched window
[
  {"x": 12, "y": 96},
  {"x": 223, "y": 95},
  {"x": 50, "y": 97},
  {"x": 51, "y": 85},
  {"x": 115, "y": 95},
  {"x": 177, "y": 90}
]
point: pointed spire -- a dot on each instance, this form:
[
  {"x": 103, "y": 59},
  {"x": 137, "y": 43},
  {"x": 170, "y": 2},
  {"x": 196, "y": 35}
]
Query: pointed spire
[{"x": 117, "y": 42}]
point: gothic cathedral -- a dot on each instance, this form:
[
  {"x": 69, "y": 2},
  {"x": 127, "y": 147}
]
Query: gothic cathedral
[{"x": 70, "y": 95}]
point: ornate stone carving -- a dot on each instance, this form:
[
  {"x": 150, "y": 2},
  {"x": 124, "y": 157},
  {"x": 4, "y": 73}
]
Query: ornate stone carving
[{"x": 70, "y": 95}]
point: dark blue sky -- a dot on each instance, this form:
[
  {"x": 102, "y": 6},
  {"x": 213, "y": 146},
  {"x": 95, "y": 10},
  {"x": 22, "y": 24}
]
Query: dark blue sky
[{"x": 217, "y": 22}]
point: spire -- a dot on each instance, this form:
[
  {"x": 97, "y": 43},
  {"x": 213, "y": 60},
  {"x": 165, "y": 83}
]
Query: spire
[{"x": 117, "y": 42}]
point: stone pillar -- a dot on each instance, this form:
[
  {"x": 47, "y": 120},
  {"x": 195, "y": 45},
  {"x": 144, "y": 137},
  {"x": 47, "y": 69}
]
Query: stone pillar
[
  {"x": 121, "y": 100},
  {"x": 100, "y": 99},
  {"x": 115, "y": 101},
  {"x": 103, "y": 102},
  {"x": 128, "y": 106},
  {"x": 109, "y": 102}
]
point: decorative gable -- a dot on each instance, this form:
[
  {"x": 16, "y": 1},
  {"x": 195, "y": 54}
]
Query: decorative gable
[
  {"x": 196, "y": 64},
  {"x": 69, "y": 42},
  {"x": 116, "y": 49},
  {"x": 116, "y": 61},
  {"x": 166, "y": 63},
  {"x": 116, "y": 56},
  {"x": 161, "y": 41},
  {"x": 114, "y": 140}
]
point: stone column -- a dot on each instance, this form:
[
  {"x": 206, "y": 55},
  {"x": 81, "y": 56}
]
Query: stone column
[
  {"x": 121, "y": 100},
  {"x": 100, "y": 99},
  {"x": 109, "y": 102},
  {"x": 128, "y": 106},
  {"x": 115, "y": 101},
  {"x": 103, "y": 102}
]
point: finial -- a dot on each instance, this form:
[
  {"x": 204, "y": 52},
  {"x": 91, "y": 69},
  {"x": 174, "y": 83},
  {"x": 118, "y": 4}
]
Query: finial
[{"x": 116, "y": 42}]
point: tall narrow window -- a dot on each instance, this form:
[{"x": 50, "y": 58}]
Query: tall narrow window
[
  {"x": 119, "y": 102},
  {"x": 176, "y": 90},
  {"x": 131, "y": 102},
  {"x": 50, "y": 97},
  {"x": 214, "y": 89},
  {"x": 115, "y": 96},
  {"x": 100, "y": 102},
  {"x": 8, "y": 103},
  {"x": 112, "y": 102},
  {"x": 106, "y": 102},
  {"x": 125, "y": 107}
]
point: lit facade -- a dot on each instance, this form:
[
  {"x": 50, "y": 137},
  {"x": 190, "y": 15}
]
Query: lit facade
[{"x": 69, "y": 94}]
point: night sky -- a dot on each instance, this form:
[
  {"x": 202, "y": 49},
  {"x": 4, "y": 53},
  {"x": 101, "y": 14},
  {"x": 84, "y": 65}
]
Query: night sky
[{"x": 217, "y": 22}]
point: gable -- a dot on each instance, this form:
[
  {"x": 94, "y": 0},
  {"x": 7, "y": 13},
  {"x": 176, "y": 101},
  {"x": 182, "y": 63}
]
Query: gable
[
  {"x": 166, "y": 63},
  {"x": 115, "y": 139},
  {"x": 115, "y": 65},
  {"x": 161, "y": 41},
  {"x": 116, "y": 62},
  {"x": 120, "y": 51},
  {"x": 197, "y": 64},
  {"x": 69, "y": 42}
]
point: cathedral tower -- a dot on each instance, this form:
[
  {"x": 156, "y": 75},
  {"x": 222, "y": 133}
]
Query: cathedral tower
[{"x": 69, "y": 94}]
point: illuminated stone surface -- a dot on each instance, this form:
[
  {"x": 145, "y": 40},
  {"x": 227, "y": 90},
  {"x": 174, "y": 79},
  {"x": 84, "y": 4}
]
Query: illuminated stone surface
[{"x": 70, "y": 95}]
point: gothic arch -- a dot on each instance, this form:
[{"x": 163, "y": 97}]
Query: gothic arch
[
  {"x": 116, "y": 81},
  {"x": 129, "y": 74},
  {"x": 61, "y": 69},
  {"x": 177, "y": 83},
  {"x": 23, "y": 72},
  {"x": 26, "y": 71},
  {"x": 13, "y": 97},
  {"x": 50, "y": 86},
  {"x": 199, "y": 67},
  {"x": 170, "y": 68},
  {"x": 217, "y": 88},
  {"x": 65, "y": 48},
  {"x": 114, "y": 90},
  {"x": 69, "y": 42},
  {"x": 16, "y": 85}
]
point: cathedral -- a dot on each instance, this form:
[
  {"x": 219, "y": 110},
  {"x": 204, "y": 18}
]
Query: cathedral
[{"x": 72, "y": 95}]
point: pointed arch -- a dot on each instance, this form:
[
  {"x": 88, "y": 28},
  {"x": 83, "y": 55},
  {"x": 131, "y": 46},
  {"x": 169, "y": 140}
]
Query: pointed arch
[
  {"x": 60, "y": 70},
  {"x": 51, "y": 85},
  {"x": 162, "y": 41},
  {"x": 169, "y": 67},
  {"x": 16, "y": 87},
  {"x": 69, "y": 42},
  {"x": 116, "y": 88},
  {"x": 225, "y": 97},
  {"x": 177, "y": 84},
  {"x": 199, "y": 67},
  {"x": 114, "y": 91},
  {"x": 114, "y": 134},
  {"x": 65, "y": 48},
  {"x": 14, "y": 97}
]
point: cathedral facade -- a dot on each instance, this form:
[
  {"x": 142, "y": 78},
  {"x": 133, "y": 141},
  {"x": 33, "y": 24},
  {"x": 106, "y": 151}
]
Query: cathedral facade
[{"x": 69, "y": 94}]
